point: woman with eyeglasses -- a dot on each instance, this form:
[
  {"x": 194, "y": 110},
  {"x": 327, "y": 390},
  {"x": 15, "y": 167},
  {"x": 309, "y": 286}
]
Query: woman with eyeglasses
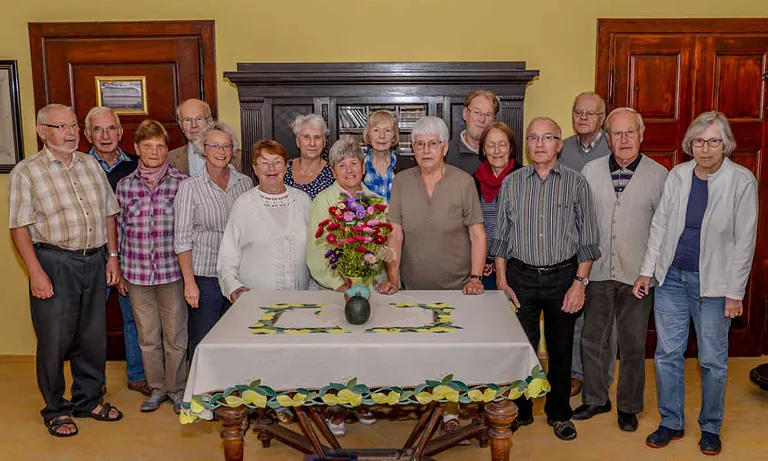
[
  {"x": 700, "y": 251},
  {"x": 202, "y": 207}
]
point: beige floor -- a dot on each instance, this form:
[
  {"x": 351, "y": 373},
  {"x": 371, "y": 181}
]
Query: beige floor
[{"x": 158, "y": 435}]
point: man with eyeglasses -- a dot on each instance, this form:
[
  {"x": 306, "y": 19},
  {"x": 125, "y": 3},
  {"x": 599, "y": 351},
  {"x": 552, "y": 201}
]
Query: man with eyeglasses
[
  {"x": 62, "y": 222},
  {"x": 104, "y": 132},
  {"x": 589, "y": 143},
  {"x": 545, "y": 241},
  {"x": 480, "y": 109},
  {"x": 626, "y": 187}
]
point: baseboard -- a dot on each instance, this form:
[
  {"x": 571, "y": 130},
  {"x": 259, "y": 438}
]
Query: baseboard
[{"x": 17, "y": 358}]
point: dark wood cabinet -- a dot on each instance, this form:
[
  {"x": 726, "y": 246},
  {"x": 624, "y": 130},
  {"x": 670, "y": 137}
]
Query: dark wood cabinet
[
  {"x": 272, "y": 94},
  {"x": 671, "y": 70}
]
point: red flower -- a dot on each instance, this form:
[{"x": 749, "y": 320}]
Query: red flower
[
  {"x": 359, "y": 238},
  {"x": 333, "y": 226},
  {"x": 331, "y": 238},
  {"x": 339, "y": 217},
  {"x": 386, "y": 225},
  {"x": 324, "y": 223},
  {"x": 357, "y": 228},
  {"x": 380, "y": 207},
  {"x": 348, "y": 240},
  {"x": 361, "y": 249},
  {"x": 333, "y": 210},
  {"x": 379, "y": 239},
  {"x": 319, "y": 232}
]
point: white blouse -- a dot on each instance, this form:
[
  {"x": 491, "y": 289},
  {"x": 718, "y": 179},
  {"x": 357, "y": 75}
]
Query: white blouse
[{"x": 264, "y": 243}]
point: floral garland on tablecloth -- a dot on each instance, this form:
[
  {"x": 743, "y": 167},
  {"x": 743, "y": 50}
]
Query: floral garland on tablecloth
[{"x": 352, "y": 394}]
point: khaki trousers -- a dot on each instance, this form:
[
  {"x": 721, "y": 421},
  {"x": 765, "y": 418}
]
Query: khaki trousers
[{"x": 161, "y": 320}]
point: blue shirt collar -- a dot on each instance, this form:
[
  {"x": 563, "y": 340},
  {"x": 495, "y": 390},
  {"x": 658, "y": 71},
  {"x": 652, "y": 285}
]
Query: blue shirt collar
[{"x": 121, "y": 157}]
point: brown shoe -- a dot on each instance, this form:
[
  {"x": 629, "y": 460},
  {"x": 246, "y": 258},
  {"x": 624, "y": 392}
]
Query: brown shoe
[
  {"x": 141, "y": 386},
  {"x": 575, "y": 386}
]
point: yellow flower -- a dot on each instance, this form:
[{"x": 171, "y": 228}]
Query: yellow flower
[
  {"x": 424, "y": 397},
  {"x": 196, "y": 407},
  {"x": 330, "y": 399},
  {"x": 233, "y": 401},
  {"x": 263, "y": 331},
  {"x": 346, "y": 396},
  {"x": 514, "y": 394},
  {"x": 489, "y": 395},
  {"x": 535, "y": 387},
  {"x": 186, "y": 418},
  {"x": 253, "y": 397},
  {"x": 379, "y": 397}
]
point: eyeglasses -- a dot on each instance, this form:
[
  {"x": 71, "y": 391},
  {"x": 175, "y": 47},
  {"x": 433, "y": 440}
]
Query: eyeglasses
[
  {"x": 542, "y": 137},
  {"x": 269, "y": 165},
  {"x": 219, "y": 146},
  {"x": 630, "y": 134},
  {"x": 64, "y": 126},
  {"x": 421, "y": 145},
  {"x": 581, "y": 113},
  {"x": 502, "y": 146},
  {"x": 486, "y": 115},
  {"x": 109, "y": 129},
  {"x": 711, "y": 142},
  {"x": 197, "y": 120}
]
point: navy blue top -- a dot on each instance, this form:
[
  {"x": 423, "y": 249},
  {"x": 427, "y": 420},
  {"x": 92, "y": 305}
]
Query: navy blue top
[{"x": 689, "y": 245}]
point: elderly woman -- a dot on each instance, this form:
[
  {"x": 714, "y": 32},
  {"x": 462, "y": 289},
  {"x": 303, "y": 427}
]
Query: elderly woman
[
  {"x": 309, "y": 173},
  {"x": 498, "y": 149},
  {"x": 438, "y": 235},
  {"x": 264, "y": 243},
  {"x": 382, "y": 161},
  {"x": 700, "y": 251},
  {"x": 151, "y": 274},
  {"x": 201, "y": 209}
]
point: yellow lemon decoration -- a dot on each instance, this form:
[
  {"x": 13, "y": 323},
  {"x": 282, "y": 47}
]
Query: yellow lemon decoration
[
  {"x": 330, "y": 399},
  {"x": 347, "y": 397},
  {"x": 515, "y": 394},
  {"x": 393, "y": 397},
  {"x": 379, "y": 398},
  {"x": 195, "y": 407},
  {"x": 268, "y": 316},
  {"x": 233, "y": 401},
  {"x": 489, "y": 395},
  {"x": 535, "y": 387},
  {"x": 263, "y": 331},
  {"x": 475, "y": 395},
  {"x": 254, "y": 398},
  {"x": 186, "y": 418},
  {"x": 424, "y": 397}
]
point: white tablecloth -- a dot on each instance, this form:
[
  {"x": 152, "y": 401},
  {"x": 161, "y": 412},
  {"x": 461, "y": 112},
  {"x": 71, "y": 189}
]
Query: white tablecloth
[{"x": 476, "y": 339}]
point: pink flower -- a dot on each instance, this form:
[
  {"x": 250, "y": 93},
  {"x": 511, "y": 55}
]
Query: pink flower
[
  {"x": 349, "y": 216},
  {"x": 370, "y": 211},
  {"x": 367, "y": 229},
  {"x": 370, "y": 258},
  {"x": 372, "y": 222},
  {"x": 368, "y": 239},
  {"x": 348, "y": 240}
]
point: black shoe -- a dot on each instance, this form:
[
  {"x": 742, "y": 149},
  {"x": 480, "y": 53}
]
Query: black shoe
[
  {"x": 710, "y": 443},
  {"x": 588, "y": 411},
  {"x": 663, "y": 436},
  {"x": 627, "y": 421},
  {"x": 564, "y": 430},
  {"x": 520, "y": 422}
]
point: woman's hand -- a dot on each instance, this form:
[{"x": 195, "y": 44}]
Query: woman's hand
[
  {"x": 733, "y": 308},
  {"x": 387, "y": 288},
  {"x": 488, "y": 269},
  {"x": 473, "y": 287},
  {"x": 192, "y": 294},
  {"x": 236, "y": 294},
  {"x": 642, "y": 287}
]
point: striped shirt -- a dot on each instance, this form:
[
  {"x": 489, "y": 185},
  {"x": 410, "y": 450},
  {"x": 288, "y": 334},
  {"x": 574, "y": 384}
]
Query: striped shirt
[
  {"x": 379, "y": 184},
  {"x": 145, "y": 229},
  {"x": 620, "y": 175},
  {"x": 542, "y": 222},
  {"x": 62, "y": 205},
  {"x": 201, "y": 212},
  {"x": 490, "y": 210}
]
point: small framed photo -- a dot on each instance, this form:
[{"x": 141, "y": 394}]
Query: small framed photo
[
  {"x": 126, "y": 95},
  {"x": 11, "y": 143}
]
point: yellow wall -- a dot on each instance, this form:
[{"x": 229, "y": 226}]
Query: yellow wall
[{"x": 555, "y": 36}]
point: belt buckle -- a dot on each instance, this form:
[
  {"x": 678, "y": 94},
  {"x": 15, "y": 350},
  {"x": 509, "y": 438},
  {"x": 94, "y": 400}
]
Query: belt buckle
[{"x": 542, "y": 270}]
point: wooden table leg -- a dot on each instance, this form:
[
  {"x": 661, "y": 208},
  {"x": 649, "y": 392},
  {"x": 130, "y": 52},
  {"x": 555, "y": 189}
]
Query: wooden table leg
[
  {"x": 480, "y": 420},
  {"x": 263, "y": 422},
  {"x": 232, "y": 433},
  {"x": 500, "y": 415}
]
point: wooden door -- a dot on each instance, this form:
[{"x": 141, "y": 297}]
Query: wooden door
[
  {"x": 671, "y": 70},
  {"x": 175, "y": 58}
]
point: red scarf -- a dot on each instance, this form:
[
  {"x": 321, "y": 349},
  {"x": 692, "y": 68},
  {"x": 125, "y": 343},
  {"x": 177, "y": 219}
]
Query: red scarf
[
  {"x": 151, "y": 177},
  {"x": 489, "y": 182}
]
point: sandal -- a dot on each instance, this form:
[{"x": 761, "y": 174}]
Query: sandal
[
  {"x": 103, "y": 415},
  {"x": 56, "y": 423}
]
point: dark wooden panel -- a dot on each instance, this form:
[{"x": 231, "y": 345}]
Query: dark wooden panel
[
  {"x": 733, "y": 75},
  {"x": 653, "y": 89},
  {"x": 282, "y": 116}
]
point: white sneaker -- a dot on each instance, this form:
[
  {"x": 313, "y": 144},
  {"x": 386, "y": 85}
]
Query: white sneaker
[
  {"x": 339, "y": 430},
  {"x": 366, "y": 418}
]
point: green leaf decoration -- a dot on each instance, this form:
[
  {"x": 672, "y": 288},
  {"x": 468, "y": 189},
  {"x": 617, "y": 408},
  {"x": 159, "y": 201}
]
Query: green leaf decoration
[
  {"x": 360, "y": 389},
  {"x": 448, "y": 379},
  {"x": 337, "y": 386},
  {"x": 254, "y": 384},
  {"x": 432, "y": 383},
  {"x": 351, "y": 383}
]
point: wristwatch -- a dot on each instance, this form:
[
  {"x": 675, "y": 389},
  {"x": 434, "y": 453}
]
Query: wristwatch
[
  {"x": 476, "y": 277},
  {"x": 583, "y": 280},
  {"x": 113, "y": 255}
]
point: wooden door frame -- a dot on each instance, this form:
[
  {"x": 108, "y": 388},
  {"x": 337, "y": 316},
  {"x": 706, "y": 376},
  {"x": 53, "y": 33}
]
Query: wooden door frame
[
  {"x": 203, "y": 29},
  {"x": 608, "y": 28}
]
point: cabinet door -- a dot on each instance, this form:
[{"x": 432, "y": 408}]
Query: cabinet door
[
  {"x": 732, "y": 80},
  {"x": 654, "y": 74}
]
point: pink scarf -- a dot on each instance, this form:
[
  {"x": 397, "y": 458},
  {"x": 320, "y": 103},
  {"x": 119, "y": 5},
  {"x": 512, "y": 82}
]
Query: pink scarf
[{"x": 151, "y": 177}]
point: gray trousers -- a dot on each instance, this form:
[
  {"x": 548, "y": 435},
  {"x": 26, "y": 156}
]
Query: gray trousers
[
  {"x": 611, "y": 304},
  {"x": 577, "y": 368}
]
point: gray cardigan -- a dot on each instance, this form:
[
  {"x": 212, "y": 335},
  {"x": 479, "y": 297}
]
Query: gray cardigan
[{"x": 624, "y": 223}]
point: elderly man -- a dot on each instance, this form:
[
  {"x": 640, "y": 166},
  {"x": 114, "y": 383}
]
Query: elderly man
[
  {"x": 480, "y": 109},
  {"x": 626, "y": 188},
  {"x": 545, "y": 241},
  {"x": 62, "y": 221},
  {"x": 103, "y": 131},
  {"x": 587, "y": 144}
]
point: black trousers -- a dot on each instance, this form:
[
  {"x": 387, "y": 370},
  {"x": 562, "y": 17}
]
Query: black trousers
[
  {"x": 71, "y": 325},
  {"x": 545, "y": 293},
  {"x": 608, "y": 302}
]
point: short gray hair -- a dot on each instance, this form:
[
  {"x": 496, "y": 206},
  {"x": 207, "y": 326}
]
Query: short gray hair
[
  {"x": 205, "y": 104},
  {"x": 346, "y": 146},
  {"x": 600, "y": 100},
  {"x": 311, "y": 120},
  {"x": 540, "y": 119},
  {"x": 426, "y": 126},
  {"x": 624, "y": 110},
  {"x": 217, "y": 125},
  {"x": 703, "y": 122},
  {"x": 95, "y": 112},
  {"x": 42, "y": 114}
]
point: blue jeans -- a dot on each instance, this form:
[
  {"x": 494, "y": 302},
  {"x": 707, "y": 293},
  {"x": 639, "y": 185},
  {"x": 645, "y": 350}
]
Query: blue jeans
[
  {"x": 133, "y": 366},
  {"x": 211, "y": 306},
  {"x": 676, "y": 302},
  {"x": 489, "y": 282}
]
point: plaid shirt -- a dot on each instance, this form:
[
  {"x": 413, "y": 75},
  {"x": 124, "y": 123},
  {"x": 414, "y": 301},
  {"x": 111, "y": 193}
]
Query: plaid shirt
[
  {"x": 378, "y": 184},
  {"x": 145, "y": 229}
]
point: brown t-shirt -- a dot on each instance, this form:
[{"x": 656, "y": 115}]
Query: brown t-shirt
[{"x": 436, "y": 247}]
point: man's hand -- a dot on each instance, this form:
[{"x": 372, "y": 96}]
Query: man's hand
[
  {"x": 509, "y": 292},
  {"x": 488, "y": 269},
  {"x": 113, "y": 271},
  {"x": 387, "y": 288},
  {"x": 122, "y": 286},
  {"x": 236, "y": 294},
  {"x": 642, "y": 287},
  {"x": 733, "y": 307},
  {"x": 192, "y": 294},
  {"x": 574, "y": 298},
  {"x": 473, "y": 287},
  {"x": 40, "y": 284}
]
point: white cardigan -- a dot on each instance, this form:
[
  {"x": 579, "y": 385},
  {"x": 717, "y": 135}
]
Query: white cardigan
[
  {"x": 258, "y": 253},
  {"x": 728, "y": 230}
]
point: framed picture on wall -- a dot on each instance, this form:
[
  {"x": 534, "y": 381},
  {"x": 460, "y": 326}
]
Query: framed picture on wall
[
  {"x": 11, "y": 143},
  {"x": 126, "y": 95}
]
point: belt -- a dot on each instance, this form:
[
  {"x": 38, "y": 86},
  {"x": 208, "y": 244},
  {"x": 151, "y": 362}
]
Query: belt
[
  {"x": 541, "y": 270},
  {"x": 85, "y": 252}
]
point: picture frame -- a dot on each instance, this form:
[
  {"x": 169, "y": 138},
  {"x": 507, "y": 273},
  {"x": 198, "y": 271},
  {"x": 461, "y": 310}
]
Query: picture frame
[
  {"x": 126, "y": 95},
  {"x": 11, "y": 140}
]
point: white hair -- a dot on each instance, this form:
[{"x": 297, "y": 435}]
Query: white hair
[
  {"x": 42, "y": 114},
  {"x": 624, "y": 110},
  {"x": 95, "y": 112},
  {"x": 205, "y": 104},
  {"x": 426, "y": 126},
  {"x": 346, "y": 146},
  {"x": 311, "y": 120},
  {"x": 220, "y": 126},
  {"x": 704, "y": 121}
]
